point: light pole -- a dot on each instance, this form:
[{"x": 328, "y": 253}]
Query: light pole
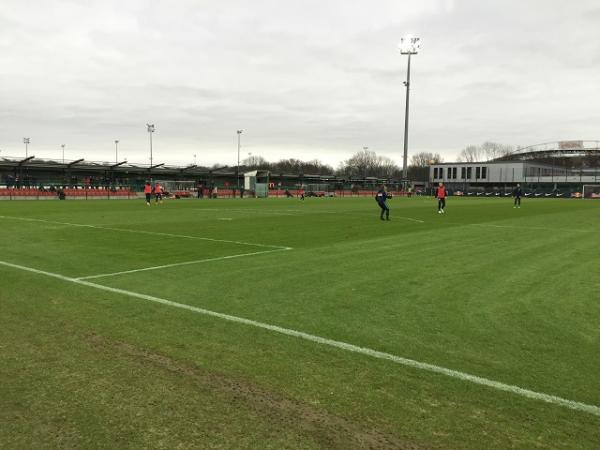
[
  {"x": 26, "y": 142},
  {"x": 150, "y": 131},
  {"x": 194, "y": 159},
  {"x": 63, "y": 152},
  {"x": 365, "y": 149},
  {"x": 239, "y": 133},
  {"x": 409, "y": 45},
  {"x": 116, "y": 151}
]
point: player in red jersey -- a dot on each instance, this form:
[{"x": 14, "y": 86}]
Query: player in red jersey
[
  {"x": 158, "y": 193},
  {"x": 441, "y": 196},
  {"x": 148, "y": 192}
]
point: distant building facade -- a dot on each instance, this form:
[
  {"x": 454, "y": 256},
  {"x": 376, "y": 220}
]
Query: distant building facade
[{"x": 505, "y": 174}]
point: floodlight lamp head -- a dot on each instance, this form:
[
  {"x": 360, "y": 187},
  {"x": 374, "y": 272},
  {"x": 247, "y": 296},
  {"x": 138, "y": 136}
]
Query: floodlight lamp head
[
  {"x": 150, "y": 127},
  {"x": 240, "y": 131},
  {"x": 25, "y": 140},
  {"x": 409, "y": 45}
]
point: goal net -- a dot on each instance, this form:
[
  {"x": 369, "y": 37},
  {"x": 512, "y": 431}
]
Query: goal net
[
  {"x": 179, "y": 188},
  {"x": 591, "y": 191}
]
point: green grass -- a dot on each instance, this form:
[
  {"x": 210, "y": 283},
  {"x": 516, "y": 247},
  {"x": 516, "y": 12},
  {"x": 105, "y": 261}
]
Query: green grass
[{"x": 512, "y": 295}]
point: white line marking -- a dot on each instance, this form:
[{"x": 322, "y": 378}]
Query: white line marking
[
  {"x": 249, "y": 211},
  {"x": 578, "y": 406},
  {"x": 302, "y": 212},
  {"x": 153, "y": 233},
  {"x": 517, "y": 227},
  {"x": 410, "y": 218},
  {"x": 185, "y": 263}
]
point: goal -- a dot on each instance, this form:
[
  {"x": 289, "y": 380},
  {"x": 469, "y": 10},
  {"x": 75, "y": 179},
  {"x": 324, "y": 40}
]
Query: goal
[
  {"x": 180, "y": 189},
  {"x": 591, "y": 191}
]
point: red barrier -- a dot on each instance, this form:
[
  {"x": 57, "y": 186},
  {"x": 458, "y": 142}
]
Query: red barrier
[{"x": 69, "y": 192}]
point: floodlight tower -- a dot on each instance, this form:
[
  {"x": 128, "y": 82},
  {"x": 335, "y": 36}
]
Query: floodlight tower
[
  {"x": 237, "y": 175},
  {"x": 409, "y": 45},
  {"x": 63, "y": 152},
  {"x": 116, "y": 151},
  {"x": 150, "y": 128},
  {"x": 26, "y": 142}
]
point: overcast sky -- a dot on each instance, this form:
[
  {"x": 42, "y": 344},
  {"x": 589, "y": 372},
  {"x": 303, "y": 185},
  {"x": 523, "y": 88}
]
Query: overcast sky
[{"x": 305, "y": 79}]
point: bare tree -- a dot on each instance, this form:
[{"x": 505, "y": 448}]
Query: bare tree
[
  {"x": 484, "y": 152},
  {"x": 366, "y": 163},
  {"x": 494, "y": 150},
  {"x": 256, "y": 162},
  {"x": 471, "y": 153},
  {"x": 424, "y": 159},
  {"x": 387, "y": 168},
  {"x": 292, "y": 165}
]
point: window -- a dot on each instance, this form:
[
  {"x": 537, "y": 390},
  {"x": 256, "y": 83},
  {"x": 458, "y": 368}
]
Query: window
[
  {"x": 435, "y": 173},
  {"x": 463, "y": 172},
  {"x": 469, "y": 173},
  {"x": 484, "y": 172},
  {"x": 454, "y": 170},
  {"x": 477, "y": 172}
]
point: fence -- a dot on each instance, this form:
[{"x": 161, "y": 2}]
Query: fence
[{"x": 73, "y": 193}]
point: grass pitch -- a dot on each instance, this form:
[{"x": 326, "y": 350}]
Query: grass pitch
[{"x": 510, "y": 295}]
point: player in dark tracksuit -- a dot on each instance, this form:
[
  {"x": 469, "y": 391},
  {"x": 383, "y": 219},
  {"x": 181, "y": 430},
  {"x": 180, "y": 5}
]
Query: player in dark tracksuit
[
  {"x": 517, "y": 193},
  {"x": 381, "y": 197}
]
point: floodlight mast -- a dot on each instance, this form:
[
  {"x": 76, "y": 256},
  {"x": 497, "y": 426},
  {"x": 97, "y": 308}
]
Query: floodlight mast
[
  {"x": 409, "y": 45},
  {"x": 150, "y": 128},
  {"x": 26, "y": 141},
  {"x": 237, "y": 175},
  {"x": 116, "y": 151}
]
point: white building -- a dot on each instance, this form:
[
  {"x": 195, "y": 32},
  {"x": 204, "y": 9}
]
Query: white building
[{"x": 502, "y": 174}]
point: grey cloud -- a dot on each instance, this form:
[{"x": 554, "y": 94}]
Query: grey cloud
[{"x": 321, "y": 79}]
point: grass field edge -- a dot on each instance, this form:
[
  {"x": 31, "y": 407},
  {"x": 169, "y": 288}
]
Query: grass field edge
[{"x": 552, "y": 399}]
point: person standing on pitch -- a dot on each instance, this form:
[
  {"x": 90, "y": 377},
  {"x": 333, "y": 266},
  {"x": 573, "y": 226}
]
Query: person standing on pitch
[
  {"x": 148, "y": 192},
  {"x": 381, "y": 198},
  {"x": 158, "y": 193},
  {"x": 441, "y": 197},
  {"x": 517, "y": 193}
]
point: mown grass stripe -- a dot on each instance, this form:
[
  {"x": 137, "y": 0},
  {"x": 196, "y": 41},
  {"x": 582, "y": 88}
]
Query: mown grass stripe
[
  {"x": 184, "y": 263},
  {"x": 152, "y": 233},
  {"x": 552, "y": 399}
]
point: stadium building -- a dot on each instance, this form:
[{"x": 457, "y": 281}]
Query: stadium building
[
  {"x": 41, "y": 178},
  {"x": 558, "y": 167}
]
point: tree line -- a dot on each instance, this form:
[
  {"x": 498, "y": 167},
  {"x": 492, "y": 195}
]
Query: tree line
[
  {"x": 367, "y": 163},
  {"x": 362, "y": 164},
  {"x": 487, "y": 151}
]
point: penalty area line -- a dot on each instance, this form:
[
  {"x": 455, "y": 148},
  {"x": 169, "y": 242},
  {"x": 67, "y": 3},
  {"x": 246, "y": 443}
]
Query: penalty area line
[
  {"x": 463, "y": 376},
  {"x": 534, "y": 228},
  {"x": 152, "y": 233},
  {"x": 185, "y": 263}
]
